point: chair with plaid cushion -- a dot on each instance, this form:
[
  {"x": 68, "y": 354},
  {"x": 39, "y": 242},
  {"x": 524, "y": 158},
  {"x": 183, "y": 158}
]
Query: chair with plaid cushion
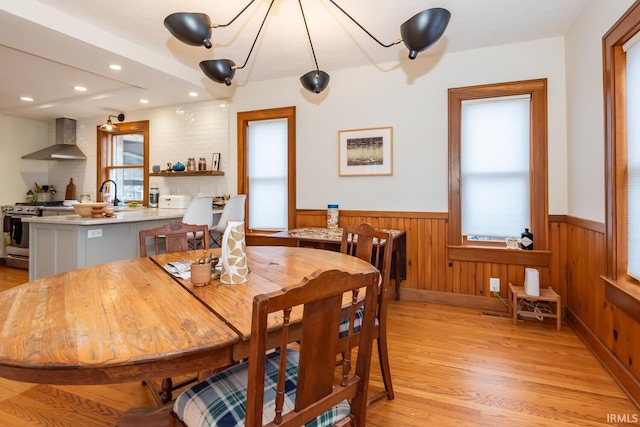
[
  {"x": 295, "y": 384},
  {"x": 368, "y": 243}
]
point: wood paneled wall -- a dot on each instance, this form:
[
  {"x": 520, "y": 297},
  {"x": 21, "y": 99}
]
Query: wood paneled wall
[{"x": 577, "y": 262}]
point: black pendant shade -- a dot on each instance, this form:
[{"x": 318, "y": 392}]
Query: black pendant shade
[
  {"x": 424, "y": 29},
  {"x": 190, "y": 28},
  {"x": 418, "y": 34},
  {"x": 219, "y": 70},
  {"x": 315, "y": 81}
]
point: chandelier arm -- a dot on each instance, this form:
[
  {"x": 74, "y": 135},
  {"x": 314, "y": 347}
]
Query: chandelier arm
[
  {"x": 236, "y": 17},
  {"x": 364, "y": 29},
  {"x": 257, "y": 35},
  {"x": 309, "y": 36}
]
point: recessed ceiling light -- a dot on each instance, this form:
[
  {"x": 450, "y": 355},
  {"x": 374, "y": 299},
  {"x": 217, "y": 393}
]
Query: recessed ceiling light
[
  {"x": 80, "y": 88},
  {"x": 115, "y": 67},
  {"x": 26, "y": 98},
  {"x": 193, "y": 93},
  {"x": 144, "y": 101}
]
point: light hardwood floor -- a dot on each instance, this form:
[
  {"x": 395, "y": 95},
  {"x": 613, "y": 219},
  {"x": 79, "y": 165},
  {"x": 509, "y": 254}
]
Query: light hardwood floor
[{"x": 451, "y": 366}]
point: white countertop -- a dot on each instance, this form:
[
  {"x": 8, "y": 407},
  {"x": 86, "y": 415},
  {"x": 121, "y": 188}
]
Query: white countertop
[{"x": 121, "y": 216}]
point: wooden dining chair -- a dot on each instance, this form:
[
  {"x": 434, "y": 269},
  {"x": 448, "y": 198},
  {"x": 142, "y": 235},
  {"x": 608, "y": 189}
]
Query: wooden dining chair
[
  {"x": 172, "y": 237},
  {"x": 290, "y": 387},
  {"x": 369, "y": 244},
  {"x": 176, "y": 236}
]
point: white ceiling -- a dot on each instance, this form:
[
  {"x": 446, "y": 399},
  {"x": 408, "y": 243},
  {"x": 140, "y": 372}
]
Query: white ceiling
[{"x": 49, "y": 46}]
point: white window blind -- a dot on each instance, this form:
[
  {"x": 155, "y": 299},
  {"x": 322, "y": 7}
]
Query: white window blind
[
  {"x": 267, "y": 167},
  {"x": 633, "y": 159},
  {"x": 494, "y": 186}
]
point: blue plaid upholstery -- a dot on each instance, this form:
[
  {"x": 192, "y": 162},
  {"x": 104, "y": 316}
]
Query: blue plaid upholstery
[
  {"x": 220, "y": 400},
  {"x": 357, "y": 324}
]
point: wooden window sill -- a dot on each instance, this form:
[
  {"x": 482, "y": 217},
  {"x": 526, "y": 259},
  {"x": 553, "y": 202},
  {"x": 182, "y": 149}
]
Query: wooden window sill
[
  {"x": 623, "y": 294},
  {"x": 538, "y": 258}
]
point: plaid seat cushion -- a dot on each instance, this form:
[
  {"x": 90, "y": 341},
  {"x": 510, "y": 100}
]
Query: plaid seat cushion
[
  {"x": 357, "y": 323},
  {"x": 220, "y": 399}
]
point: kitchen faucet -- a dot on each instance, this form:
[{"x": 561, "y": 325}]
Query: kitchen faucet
[{"x": 115, "y": 191}]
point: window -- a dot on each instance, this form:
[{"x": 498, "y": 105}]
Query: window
[
  {"x": 622, "y": 153},
  {"x": 497, "y": 166},
  {"x": 632, "y": 96},
  {"x": 494, "y": 170},
  {"x": 266, "y": 167},
  {"x": 123, "y": 157}
]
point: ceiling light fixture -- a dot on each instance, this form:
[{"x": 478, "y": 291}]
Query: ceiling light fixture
[
  {"x": 418, "y": 34},
  {"x": 110, "y": 127}
]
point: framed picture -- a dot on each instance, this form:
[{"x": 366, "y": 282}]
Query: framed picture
[
  {"x": 215, "y": 162},
  {"x": 365, "y": 152}
]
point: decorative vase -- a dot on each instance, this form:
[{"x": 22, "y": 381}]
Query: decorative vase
[
  {"x": 200, "y": 274},
  {"x": 178, "y": 167},
  {"x": 234, "y": 255}
]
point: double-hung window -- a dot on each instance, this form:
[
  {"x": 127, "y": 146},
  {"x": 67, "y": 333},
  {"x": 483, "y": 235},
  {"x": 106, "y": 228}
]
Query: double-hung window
[
  {"x": 621, "y": 46},
  {"x": 267, "y": 167},
  {"x": 494, "y": 169},
  {"x": 497, "y": 166},
  {"x": 123, "y": 157}
]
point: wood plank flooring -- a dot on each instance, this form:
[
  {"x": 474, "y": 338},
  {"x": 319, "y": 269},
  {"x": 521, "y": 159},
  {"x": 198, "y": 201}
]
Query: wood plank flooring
[{"x": 451, "y": 366}]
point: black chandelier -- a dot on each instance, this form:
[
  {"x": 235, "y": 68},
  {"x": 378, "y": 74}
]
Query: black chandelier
[{"x": 418, "y": 33}]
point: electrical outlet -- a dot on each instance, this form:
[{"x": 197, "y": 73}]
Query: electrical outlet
[
  {"x": 96, "y": 232},
  {"x": 494, "y": 284}
]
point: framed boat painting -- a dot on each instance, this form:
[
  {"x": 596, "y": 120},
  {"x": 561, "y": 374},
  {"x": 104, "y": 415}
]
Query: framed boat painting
[{"x": 365, "y": 151}]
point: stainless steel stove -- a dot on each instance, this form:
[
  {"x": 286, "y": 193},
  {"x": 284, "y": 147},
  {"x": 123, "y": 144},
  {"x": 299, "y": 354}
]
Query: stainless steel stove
[{"x": 17, "y": 252}]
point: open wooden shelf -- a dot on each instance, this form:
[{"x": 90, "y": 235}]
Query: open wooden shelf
[{"x": 187, "y": 173}]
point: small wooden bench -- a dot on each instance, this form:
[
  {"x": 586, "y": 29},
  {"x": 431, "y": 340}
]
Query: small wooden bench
[{"x": 517, "y": 293}]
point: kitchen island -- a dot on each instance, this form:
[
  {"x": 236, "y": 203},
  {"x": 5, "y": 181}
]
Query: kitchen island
[{"x": 66, "y": 242}]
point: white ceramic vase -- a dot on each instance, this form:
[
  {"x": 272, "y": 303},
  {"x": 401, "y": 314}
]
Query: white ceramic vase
[{"x": 234, "y": 254}]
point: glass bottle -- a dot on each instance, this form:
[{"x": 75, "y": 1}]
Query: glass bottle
[
  {"x": 527, "y": 240},
  {"x": 202, "y": 164},
  {"x": 191, "y": 164}
]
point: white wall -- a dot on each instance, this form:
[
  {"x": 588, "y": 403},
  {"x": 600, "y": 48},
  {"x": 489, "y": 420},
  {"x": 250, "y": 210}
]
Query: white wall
[
  {"x": 17, "y": 138},
  {"x": 585, "y": 106},
  {"x": 413, "y": 100},
  {"x": 171, "y": 139}
]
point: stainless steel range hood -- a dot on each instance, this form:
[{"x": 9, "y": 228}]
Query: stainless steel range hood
[{"x": 65, "y": 147}]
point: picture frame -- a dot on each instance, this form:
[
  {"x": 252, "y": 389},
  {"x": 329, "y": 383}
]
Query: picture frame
[
  {"x": 364, "y": 152},
  {"x": 215, "y": 162}
]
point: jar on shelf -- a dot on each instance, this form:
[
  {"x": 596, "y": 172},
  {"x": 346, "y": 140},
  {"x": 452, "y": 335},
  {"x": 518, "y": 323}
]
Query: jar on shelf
[
  {"x": 202, "y": 164},
  {"x": 191, "y": 164},
  {"x": 332, "y": 216}
]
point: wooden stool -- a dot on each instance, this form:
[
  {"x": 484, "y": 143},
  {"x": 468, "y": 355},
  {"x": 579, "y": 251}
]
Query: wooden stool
[{"x": 547, "y": 295}]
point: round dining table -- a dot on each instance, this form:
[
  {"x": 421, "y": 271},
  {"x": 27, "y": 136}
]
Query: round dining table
[{"x": 132, "y": 320}]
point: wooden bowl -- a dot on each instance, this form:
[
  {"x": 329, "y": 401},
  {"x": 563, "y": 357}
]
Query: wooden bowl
[{"x": 88, "y": 210}]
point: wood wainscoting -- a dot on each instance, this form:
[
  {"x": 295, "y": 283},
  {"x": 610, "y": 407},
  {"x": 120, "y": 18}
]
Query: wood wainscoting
[
  {"x": 576, "y": 262},
  {"x": 431, "y": 275}
]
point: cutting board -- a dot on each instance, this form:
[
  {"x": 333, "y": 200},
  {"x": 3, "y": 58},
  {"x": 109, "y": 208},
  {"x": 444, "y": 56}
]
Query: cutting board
[{"x": 70, "y": 194}]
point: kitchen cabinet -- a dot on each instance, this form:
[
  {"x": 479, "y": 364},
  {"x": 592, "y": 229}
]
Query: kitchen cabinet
[{"x": 62, "y": 243}]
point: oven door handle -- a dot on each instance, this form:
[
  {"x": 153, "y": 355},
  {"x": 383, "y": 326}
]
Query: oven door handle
[{"x": 16, "y": 230}]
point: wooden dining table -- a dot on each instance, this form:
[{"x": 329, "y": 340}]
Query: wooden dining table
[
  {"x": 132, "y": 320},
  {"x": 331, "y": 238}
]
